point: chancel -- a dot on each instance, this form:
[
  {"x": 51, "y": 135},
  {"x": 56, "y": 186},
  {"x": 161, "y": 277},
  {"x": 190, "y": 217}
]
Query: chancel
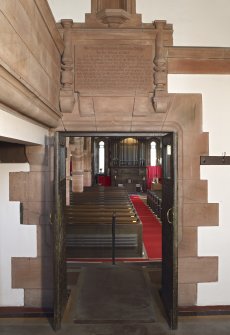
[{"x": 126, "y": 160}]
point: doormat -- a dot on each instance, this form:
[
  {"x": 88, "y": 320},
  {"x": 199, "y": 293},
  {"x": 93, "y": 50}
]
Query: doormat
[{"x": 113, "y": 294}]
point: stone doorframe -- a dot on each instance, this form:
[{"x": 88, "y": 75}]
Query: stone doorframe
[{"x": 183, "y": 116}]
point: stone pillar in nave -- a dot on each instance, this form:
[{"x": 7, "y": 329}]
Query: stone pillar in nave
[
  {"x": 87, "y": 162},
  {"x": 78, "y": 164}
]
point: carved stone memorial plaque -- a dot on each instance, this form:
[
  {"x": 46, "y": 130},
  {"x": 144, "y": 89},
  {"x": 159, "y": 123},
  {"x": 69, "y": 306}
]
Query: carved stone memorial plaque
[{"x": 114, "y": 67}]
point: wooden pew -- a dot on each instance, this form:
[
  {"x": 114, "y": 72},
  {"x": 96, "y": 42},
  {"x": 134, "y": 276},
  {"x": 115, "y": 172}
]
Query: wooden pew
[
  {"x": 92, "y": 241},
  {"x": 154, "y": 201},
  {"x": 89, "y": 224}
]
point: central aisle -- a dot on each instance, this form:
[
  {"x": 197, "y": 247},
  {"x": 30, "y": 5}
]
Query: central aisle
[{"x": 152, "y": 229}]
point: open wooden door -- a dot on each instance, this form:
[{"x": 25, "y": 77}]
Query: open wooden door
[
  {"x": 169, "y": 228},
  {"x": 60, "y": 281}
]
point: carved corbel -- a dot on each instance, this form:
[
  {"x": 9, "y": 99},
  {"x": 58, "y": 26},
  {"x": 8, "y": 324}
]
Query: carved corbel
[
  {"x": 67, "y": 99},
  {"x": 160, "y": 99}
]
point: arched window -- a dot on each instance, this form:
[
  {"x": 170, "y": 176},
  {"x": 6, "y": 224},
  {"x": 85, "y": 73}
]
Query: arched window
[
  {"x": 153, "y": 153},
  {"x": 101, "y": 157}
]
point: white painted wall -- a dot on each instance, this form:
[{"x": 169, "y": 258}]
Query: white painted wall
[
  {"x": 15, "y": 240},
  {"x": 70, "y": 9},
  {"x": 195, "y": 22},
  {"x": 16, "y": 128},
  {"x": 216, "y": 105},
  {"x": 213, "y": 241}
]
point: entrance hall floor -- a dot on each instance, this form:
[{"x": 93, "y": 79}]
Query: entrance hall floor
[
  {"x": 115, "y": 300},
  {"x": 187, "y": 326}
]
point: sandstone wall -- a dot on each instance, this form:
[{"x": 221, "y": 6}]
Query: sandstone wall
[{"x": 30, "y": 49}]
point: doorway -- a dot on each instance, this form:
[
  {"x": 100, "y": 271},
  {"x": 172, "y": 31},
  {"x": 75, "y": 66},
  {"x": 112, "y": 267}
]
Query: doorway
[{"x": 169, "y": 194}]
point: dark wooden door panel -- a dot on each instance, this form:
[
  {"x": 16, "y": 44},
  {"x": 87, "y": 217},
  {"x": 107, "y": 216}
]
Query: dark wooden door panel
[
  {"x": 60, "y": 281},
  {"x": 169, "y": 229}
]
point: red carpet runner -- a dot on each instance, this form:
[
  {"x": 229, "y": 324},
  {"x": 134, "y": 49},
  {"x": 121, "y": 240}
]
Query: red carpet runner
[{"x": 152, "y": 233}]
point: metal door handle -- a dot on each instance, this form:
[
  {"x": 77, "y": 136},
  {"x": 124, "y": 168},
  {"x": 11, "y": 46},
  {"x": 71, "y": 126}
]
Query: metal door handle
[
  {"x": 51, "y": 219},
  {"x": 168, "y": 212}
]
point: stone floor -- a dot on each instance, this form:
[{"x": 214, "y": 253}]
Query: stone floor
[
  {"x": 187, "y": 326},
  {"x": 90, "y": 324}
]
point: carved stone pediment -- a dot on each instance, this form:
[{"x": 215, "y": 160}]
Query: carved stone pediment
[
  {"x": 113, "y": 17},
  {"x": 113, "y": 14}
]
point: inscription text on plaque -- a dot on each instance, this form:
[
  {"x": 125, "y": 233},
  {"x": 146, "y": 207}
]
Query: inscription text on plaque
[{"x": 114, "y": 67}]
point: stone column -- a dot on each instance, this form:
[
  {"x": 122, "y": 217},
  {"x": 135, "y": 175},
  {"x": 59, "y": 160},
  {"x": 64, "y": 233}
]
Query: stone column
[
  {"x": 78, "y": 164},
  {"x": 160, "y": 99},
  {"x": 67, "y": 91},
  {"x": 87, "y": 162}
]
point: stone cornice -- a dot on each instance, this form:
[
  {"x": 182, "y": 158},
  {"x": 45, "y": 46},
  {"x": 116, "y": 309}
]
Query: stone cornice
[{"x": 14, "y": 93}]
